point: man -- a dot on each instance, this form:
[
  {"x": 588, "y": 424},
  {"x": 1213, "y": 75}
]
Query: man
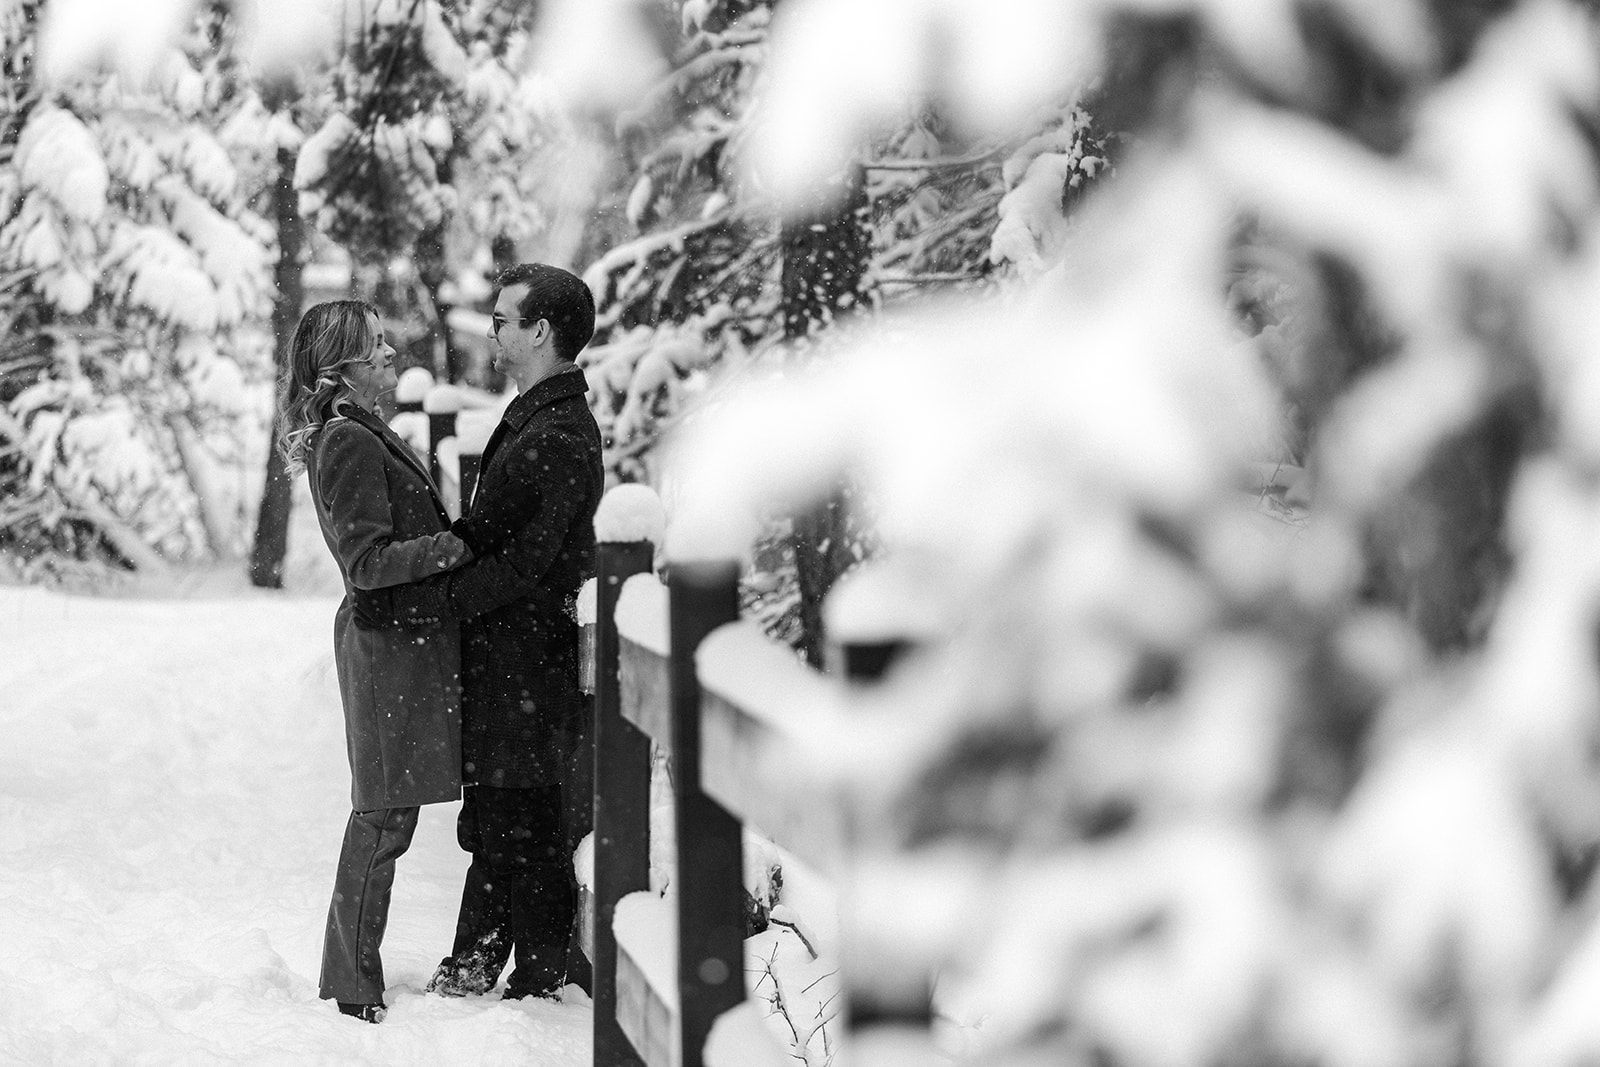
[{"x": 525, "y": 737}]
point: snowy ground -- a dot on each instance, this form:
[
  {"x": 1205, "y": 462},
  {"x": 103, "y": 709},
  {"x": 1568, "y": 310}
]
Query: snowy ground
[{"x": 173, "y": 789}]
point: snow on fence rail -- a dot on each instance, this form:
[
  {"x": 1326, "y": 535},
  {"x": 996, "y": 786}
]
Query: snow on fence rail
[{"x": 674, "y": 665}]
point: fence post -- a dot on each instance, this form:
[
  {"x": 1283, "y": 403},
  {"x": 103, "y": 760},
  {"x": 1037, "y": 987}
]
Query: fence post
[
  {"x": 621, "y": 796},
  {"x": 877, "y": 1000},
  {"x": 704, "y": 595},
  {"x": 410, "y": 388},
  {"x": 474, "y": 427},
  {"x": 441, "y": 404},
  {"x": 470, "y": 462}
]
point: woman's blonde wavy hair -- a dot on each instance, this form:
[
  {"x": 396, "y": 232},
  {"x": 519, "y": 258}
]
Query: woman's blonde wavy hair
[{"x": 331, "y": 337}]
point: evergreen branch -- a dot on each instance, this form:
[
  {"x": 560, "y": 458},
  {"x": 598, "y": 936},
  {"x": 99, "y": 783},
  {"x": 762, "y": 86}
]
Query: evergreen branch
[
  {"x": 647, "y": 245},
  {"x": 727, "y": 39},
  {"x": 690, "y": 145},
  {"x": 955, "y": 222},
  {"x": 933, "y": 163},
  {"x": 754, "y": 253},
  {"x": 926, "y": 279},
  {"x": 388, "y": 66},
  {"x": 679, "y": 79}
]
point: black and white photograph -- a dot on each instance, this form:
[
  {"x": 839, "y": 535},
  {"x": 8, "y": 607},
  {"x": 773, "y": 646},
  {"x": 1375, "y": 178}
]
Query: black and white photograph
[{"x": 800, "y": 533}]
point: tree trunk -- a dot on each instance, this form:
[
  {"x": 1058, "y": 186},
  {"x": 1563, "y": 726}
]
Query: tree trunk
[
  {"x": 824, "y": 267},
  {"x": 503, "y": 252},
  {"x": 272, "y": 521},
  {"x": 429, "y": 251},
  {"x": 825, "y": 260}
]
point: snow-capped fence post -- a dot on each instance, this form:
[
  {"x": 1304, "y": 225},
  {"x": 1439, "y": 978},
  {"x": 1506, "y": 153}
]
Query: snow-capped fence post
[
  {"x": 411, "y": 387},
  {"x": 703, "y": 594},
  {"x": 621, "y": 795},
  {"x": 474, "y": 427},
  {"x": 441, "y": 404},
  {"x": 628, "y": 525},
  {"x": 409, "y": 422},
  {"x": 875, "y": 617},
  {"x": 899, "y": 998}
]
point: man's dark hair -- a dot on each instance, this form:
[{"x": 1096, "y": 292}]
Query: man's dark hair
[{"x": 557, "y": 295}]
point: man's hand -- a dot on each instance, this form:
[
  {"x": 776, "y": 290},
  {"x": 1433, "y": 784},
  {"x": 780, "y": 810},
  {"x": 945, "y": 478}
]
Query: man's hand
[{"x": 468, "y": 533}]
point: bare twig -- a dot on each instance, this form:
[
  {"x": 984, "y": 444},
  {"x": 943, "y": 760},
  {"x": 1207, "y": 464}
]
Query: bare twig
[
  {"x": 824, "y": 977},
  {"x": 795, "y": 929},
  {"x": 779, "y": 1004}
]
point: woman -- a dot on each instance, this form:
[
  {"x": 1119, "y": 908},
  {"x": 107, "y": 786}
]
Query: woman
[{"x": 382, "y": 519}]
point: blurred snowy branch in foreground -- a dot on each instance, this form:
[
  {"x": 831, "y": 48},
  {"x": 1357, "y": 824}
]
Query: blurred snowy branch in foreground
[{"x": 1233, "y": 790}]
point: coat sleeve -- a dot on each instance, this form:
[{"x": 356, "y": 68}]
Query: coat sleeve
[
  {"x": 550, "y": 475},
  {"x": 355, "y": 489}
]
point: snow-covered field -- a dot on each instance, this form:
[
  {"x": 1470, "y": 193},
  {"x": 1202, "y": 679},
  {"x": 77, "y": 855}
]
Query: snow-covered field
[{"x": 173, "y": 789}]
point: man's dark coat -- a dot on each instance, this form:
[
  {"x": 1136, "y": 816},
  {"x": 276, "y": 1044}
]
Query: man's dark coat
[
  {"x": 383, "y": 521},
  {"x": 531, "y": 527}
]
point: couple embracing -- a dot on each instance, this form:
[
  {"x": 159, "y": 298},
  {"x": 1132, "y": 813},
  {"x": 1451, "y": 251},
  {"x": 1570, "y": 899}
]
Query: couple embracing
[{"x": 456, "y": 643}]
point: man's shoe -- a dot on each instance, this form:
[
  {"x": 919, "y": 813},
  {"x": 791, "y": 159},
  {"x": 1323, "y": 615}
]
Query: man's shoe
[
  {"x": 541, "y": 984},
  {"x": 452, "y": 979},
  {"x": 552, "y": 994},
  {"x": 367, "y": 1013}
]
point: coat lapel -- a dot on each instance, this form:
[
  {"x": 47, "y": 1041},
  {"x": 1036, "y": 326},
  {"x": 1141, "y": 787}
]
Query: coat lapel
[
  {"x": 399, "y": 448},
  {"x": 556, "y": 387}
]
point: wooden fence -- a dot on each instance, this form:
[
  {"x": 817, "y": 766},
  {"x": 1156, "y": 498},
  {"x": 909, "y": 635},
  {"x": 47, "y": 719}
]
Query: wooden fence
[
  {"x": 450, "y": 426},
  {"x": 675, "y": 666}
]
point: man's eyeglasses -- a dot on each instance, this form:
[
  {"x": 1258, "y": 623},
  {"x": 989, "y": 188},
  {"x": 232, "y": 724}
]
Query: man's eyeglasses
[{"x": 495, "y": 322}]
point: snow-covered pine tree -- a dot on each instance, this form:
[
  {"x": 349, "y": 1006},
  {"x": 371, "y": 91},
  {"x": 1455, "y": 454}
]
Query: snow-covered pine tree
[
  {"x": 697, "y": 275},
  {"x": 686, "y": 261},
  {"x": 434, "y": 161},
  {"x": 139, "y": 279},
  {"x": 521, "y": 179},
  {"x": 374, "y": 178}
]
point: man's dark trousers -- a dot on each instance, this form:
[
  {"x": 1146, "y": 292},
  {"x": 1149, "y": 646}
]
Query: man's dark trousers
[{"x": 519, "y": 888}]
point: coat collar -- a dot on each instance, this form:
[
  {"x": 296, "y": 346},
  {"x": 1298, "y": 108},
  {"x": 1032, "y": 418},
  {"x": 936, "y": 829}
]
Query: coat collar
[
  {"x": 556, "y": 387},
  {"x": 356, "y": 413}
]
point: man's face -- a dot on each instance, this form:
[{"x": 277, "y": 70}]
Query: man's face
[{"x": 515, "y": 341}]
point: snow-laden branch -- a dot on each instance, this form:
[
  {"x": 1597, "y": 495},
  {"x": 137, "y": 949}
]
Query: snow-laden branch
[
  {"x": 934, "y": 163},
  {"x": 598, "y": 276},
  {"x": 925, "y": 279},
  {"x": 691, "y": 145},
  {"x": 681, "y": 78}
]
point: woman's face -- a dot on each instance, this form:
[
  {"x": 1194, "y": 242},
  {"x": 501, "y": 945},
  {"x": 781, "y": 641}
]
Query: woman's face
[{"x": 374, "y": 375}]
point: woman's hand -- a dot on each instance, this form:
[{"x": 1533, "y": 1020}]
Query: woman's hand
[{"x": 453, "y": 551}]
